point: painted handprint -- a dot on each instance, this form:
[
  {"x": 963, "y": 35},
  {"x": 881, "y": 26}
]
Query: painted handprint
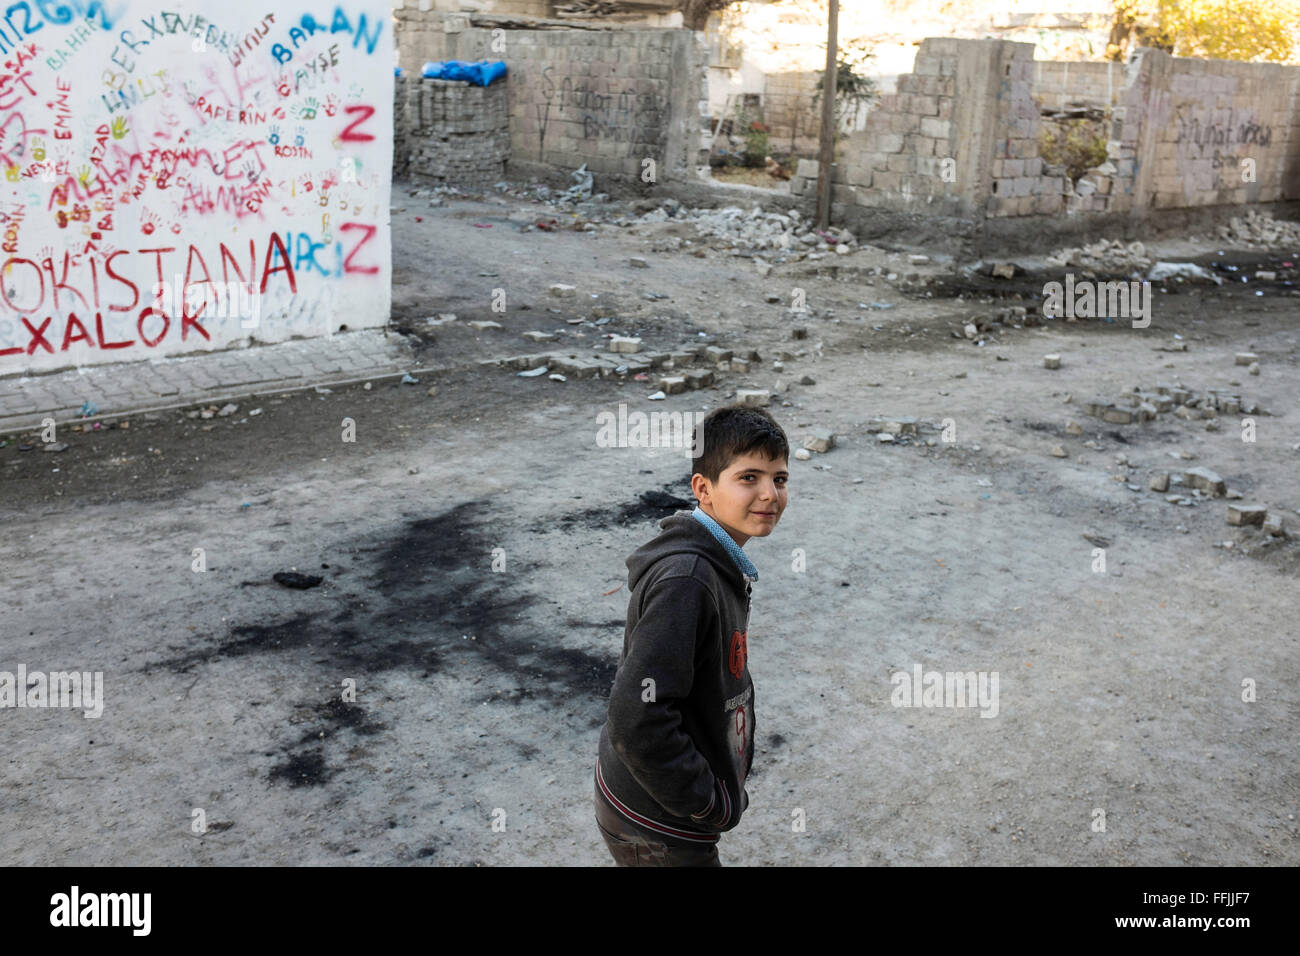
[
  {"x": 38, "y": 149},
  {"x": 299, "y": 135},
  {"x": 274, "y": 137},
  {"x": 149, "y": 222},
  {"x": 331, "y": 105},
  {"x": 118, "y": 128}
]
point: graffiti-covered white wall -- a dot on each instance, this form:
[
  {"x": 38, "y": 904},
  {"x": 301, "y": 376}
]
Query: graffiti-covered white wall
[{"x": 190, "y": 177}]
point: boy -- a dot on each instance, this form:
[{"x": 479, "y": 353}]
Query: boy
[{"x": 679, "y": 739}]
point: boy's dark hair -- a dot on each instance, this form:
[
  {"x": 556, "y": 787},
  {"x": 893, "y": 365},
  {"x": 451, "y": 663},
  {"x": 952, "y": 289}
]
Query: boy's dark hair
[{"x": 732, "y": 431}]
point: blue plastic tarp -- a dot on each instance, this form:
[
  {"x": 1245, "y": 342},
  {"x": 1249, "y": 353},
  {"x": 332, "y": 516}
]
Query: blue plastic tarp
[{"x": 482, "y": 73}]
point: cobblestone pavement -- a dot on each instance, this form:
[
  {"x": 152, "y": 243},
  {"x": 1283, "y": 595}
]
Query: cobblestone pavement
[{"x": 25, "y": 400}]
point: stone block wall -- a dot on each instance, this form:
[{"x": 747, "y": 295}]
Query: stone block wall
[
  {"x": 453, "y": 132},
  {"x": 789, "y": 113},
  {"x": 610, "y": 97},
  {"x": 1193, "y": 133},
  {"x": 1059, "y": 84},
  {"x": 961, "y": 137}
]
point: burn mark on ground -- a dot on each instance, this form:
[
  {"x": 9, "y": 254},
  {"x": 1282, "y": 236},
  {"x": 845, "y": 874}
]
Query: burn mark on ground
[
  {"x": 650, "y": 505},
  {"x": 422, "y": 594},
  {"x": 330, "y": 725}
]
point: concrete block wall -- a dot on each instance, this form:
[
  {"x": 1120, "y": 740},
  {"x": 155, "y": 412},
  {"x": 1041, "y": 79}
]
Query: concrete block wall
[
  {"x": 960, "y": 137},
  {"x": 1060, "y": 83},
  {"x": 611, "y": 98},
  {"x": 788, "y": 110},
  {"x": 1184, "y": 127},
  {"x": 911, "y": 155},
  {"x": 453, "y": 132}
]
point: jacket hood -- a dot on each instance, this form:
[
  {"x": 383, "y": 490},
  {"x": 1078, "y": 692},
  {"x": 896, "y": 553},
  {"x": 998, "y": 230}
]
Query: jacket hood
[{"x": 683, "y": 532}]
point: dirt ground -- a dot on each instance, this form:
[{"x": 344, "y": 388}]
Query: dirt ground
[{"x": 480, "y": 688}]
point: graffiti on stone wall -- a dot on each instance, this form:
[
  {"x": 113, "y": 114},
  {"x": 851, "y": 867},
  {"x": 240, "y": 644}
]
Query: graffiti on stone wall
[
  {"x": 176, "y": 180},
  {"x": 616, "y": 110},
  {"x": 1232, "y": 132},
  {"x": 1225, "y": 138}
]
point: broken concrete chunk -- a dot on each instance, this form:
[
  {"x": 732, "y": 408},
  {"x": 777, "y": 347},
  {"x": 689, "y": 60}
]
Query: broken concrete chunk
[
  {"x": 698, "y": 378},
  {"x": 1003, "y": 270},
  {"x": 821, "y": 440},
  {"x": 1246, "y": 514},
  {"x": 1073, "y": 428},
  {"x": 756, "y": 396},
  {"x": 901, "y": 426},
  {"x": 673, "y": 384},
  {"x": 1159, "y": 482},
  {"x": 562, "y": 291},
  {"x": 540, "y": 336},
  {"x": 1051, "y": 361},
  {"x": 638, "y": 262},
  {"x": 484, "y": 324},
  {"x": 802, "y": 454},
  {"x": 1207, "y": 481},
  {"x": 1059, "y": 452},
  {"x": 716, "y": 354},
  {"x": 1245, "y": 358},
  {"x": 624, "y": 343},
  {"x": 1274, "y": 524}
]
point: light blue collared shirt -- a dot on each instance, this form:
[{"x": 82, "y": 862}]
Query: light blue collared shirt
[{"x": 727, "y": 541}]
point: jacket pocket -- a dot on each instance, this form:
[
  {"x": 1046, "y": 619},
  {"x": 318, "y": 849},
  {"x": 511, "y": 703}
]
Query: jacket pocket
[{"x": 722, "y": 815}]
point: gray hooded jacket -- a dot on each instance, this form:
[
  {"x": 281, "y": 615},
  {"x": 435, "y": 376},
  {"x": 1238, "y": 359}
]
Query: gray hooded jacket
[{"x": 679, "y": 739}]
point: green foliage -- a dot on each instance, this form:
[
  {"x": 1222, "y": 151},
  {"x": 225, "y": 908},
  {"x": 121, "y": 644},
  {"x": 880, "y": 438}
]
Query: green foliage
[
  {"x": 1254, "y": 30},
  {"x": 852, "y": 85},
  {"x": 755, "y": 143},
  {"x": 1078, "y": 145}
]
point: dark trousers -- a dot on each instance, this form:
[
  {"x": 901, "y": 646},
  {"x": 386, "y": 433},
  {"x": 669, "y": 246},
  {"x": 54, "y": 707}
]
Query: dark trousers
[{"x": 633, "y": 845}]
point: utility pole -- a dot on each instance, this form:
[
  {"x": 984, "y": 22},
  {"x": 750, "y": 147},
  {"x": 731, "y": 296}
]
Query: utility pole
[{"x": 827, "y": 156}]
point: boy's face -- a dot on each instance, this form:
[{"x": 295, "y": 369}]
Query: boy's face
[{"x": 748, "y": 497}]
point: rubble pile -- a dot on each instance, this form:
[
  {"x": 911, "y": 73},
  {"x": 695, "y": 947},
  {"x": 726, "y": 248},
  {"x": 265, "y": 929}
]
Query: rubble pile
[
  {"x": 902, "y": 431},
  {"x": 1137, "y": 404},
  {"x": 1256, "y": 230},
  {"x": 1109, "y": 255},
  {"x": 786, "y": 232}
]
